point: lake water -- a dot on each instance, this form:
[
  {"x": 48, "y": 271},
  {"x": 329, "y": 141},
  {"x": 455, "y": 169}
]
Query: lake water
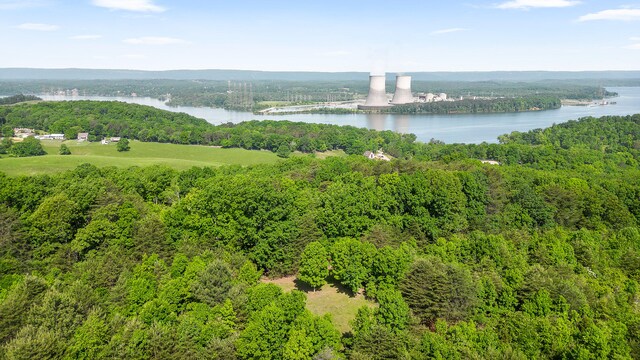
[{"x": 460, "y": 128}]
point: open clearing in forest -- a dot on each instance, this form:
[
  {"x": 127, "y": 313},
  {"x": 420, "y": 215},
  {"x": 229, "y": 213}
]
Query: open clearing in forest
[
  {"x": 332, "y": 299},
  {"x": 142, "y": 154}
]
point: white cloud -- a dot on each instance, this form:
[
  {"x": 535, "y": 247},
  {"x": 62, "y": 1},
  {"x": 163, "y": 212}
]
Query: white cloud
[
  {"x": 130, "y": 5},
  {"x": 85, "y": 37},
  {"x": 447, "y": 31},
  {"x": 528, "y": 4},
  {"x": 153, "y": 40},
  {"x": 38, "y": 27},
  {"x": 614, "y": 14},
  {"x": 633, "y": 46},
  {"x": 635, "y": 38}
]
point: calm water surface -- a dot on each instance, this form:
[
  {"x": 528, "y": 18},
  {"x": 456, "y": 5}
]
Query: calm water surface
[{"x": 466, "y": 128}]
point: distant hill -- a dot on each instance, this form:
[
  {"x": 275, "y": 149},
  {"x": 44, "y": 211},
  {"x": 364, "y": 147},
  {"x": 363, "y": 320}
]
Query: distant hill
[{"x": 110, "y": 74}]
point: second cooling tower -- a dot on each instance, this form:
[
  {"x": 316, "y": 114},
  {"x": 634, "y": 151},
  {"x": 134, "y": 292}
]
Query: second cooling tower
[
  {"x": 377, "y": 97},
  {"x": 403, "y": 91}
]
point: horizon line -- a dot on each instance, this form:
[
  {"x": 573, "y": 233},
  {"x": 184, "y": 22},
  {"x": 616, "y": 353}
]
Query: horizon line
[{"x": 310, "y": 71}]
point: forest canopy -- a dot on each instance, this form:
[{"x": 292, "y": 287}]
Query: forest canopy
[{"x": 536, "y": 258}]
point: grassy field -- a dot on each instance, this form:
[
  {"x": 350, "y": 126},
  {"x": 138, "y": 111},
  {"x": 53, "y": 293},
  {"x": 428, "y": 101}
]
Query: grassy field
[
  {"x": 331, "y": 299},
  {"x": 141, "y": 154},
  {"x": 326, "y": 154}
]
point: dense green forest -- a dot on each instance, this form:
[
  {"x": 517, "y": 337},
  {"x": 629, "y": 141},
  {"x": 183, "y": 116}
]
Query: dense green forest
[
  {"x": 253, "y": 95},
  {"x": 469, "y": 106},
  {"x": 536, "y": 258}
]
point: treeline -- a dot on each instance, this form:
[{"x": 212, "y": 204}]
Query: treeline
[
  {"x": 215, "y": 93},
  {"x": 585, "y": 144},
  {"x": 470, "y": 106},
  {"x": 208, "y": 93},
  {"x": 568, "y": 89},
  {"x": 465, "y": 260},
  {"x": 14, "y": 99},
  {"x": 608, "y": 133},
  {"x": 107, "y": 119}
]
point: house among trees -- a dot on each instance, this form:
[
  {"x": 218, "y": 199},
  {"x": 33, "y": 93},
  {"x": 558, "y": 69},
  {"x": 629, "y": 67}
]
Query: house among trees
[
  {"x": 379, "y": 155},
  {"x": 83, "y": 136}
]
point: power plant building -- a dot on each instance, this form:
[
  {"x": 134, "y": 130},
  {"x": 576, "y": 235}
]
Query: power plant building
[
  {"x": 377, "y": 97},
  {"x": 403, "y": 93}
]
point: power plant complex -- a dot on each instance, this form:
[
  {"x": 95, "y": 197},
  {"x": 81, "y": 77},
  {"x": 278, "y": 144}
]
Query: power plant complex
[{"x": 377, "y": 97}]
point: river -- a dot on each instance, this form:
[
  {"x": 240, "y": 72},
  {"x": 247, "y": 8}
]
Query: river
[{"x": 460, "y": 128}]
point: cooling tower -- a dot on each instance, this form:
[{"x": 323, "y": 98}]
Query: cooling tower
[
  {"x": 377, "y": 98},
  {"x": 403, "y": 90}
]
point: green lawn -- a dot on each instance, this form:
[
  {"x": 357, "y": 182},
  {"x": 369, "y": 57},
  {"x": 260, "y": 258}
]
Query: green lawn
[
  {"x": 331, "y": 299},
  {"x": 141, "y": 154}
]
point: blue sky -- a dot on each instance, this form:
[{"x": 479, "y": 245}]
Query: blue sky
[{"x": 328, "y": 35}]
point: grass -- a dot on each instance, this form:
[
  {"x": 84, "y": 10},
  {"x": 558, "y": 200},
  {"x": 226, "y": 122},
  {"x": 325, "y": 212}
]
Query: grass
[
  {"x": 273, "y": 103},
  {"x": 326, "y": 154},
  {"x": 179, "y": 157},
  {"x": 330, "y": 299}
]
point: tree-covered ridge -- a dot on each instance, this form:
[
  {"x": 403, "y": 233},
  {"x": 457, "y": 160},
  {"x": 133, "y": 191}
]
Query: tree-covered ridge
[
  {"x": 14, "y": 99},
  {"x": 232, "y": 93},
  {"x": 469, "y": 106},
  {"x": 537, "y": 258},
  {"x": 609, "y": 133},
  {"x": 145, "y": 123}
]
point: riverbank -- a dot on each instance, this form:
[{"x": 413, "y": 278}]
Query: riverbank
[{"x": 458, "y": 128}]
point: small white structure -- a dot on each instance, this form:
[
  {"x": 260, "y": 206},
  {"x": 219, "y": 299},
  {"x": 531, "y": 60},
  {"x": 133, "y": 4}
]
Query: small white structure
[
  {"x": 104, "y": 141},
  {"x": 379, "y": 155},
  {"x": 115, "y": 139},
  {"x": 490, "y": 162},
  {"x": 50, "y": 137},
  {"x": 83, "y": 136}
]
